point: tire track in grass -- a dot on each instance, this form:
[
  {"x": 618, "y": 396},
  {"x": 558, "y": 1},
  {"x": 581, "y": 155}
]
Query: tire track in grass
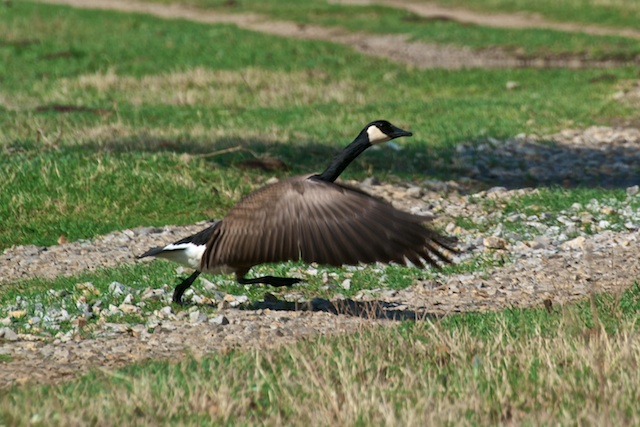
[
  {"x": 394, "y": 47},
  {"x": 522, "y": 20}
]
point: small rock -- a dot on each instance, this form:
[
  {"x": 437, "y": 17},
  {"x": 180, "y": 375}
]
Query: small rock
[
  {"x": 370, "y": 181},
  {"x": 165, "y": 312},
  {"x": 346, "y": 284},
  {"x": 128, "y": 308},
  {"x": 79, "y": 321},
  {"x": 496, "y": 190},
  {"x": 128, "y": 299},
  {"x": 117, "y": 288},
  {"x": 414, "y": 192},
  {"x": 152, "y": 294},
  {"x": 152, "y": 323},
  {"x": 207, "y": 285},
  {"x": 493, "y": 242},
  {"x": 219, "y": 320},
  {"x": 311, "y": 271},
  {"x": 138, "y": 330},
  {"x": 196, "y": 317},
  {"x": 63, "y": 315},
  {"x": 516, "y": 217},
  {"x": 8, "y": 334},
  {"x": 576, "y": 243},
  {"x": 87, "y": 288},
  {"x": 272, "y": 180},
  {"x": 17, "y": 314},
  {"x": 632, "y": 191},
  {"x": 540, "y": 242}
]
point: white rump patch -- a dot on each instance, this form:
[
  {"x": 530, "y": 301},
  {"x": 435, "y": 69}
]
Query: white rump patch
[
  {"x": 186, "y": 254},
  {"x": 376, "y": 136}
]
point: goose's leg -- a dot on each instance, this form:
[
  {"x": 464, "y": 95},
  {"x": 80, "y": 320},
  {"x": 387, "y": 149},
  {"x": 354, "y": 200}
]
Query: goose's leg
[
  {"x": 269, "y": 280},
  {"x": 186, "y": 283}
]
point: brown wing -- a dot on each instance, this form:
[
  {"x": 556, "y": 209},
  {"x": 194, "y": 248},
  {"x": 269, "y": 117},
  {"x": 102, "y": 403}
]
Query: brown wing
[{"x": 318, "y": 221}]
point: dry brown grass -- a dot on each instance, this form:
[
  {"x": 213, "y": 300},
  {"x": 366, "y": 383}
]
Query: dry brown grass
[
  {"x": 201, "y": 86},
  {"x": 428, "y": 374}
]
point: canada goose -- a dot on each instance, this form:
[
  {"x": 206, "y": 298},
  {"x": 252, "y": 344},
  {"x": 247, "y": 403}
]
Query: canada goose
[{"x": 313, "y": 219}]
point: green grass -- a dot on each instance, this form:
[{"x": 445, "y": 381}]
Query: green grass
[
  {"x": 615, "y": 13},
  {"x": 74, "y": 193},
  {"x": 575, "y": 364},
  {"x": 389, "y": 20},
  {"x": 159, "y": 96},
  {"x": 178, "y": 91}
]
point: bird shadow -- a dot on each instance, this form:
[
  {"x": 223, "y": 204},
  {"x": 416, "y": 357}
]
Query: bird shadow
[{"x": 374, "y": 309}]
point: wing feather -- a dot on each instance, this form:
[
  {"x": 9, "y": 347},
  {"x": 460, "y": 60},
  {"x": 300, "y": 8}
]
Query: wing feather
[{"x": 328, "y": 223}]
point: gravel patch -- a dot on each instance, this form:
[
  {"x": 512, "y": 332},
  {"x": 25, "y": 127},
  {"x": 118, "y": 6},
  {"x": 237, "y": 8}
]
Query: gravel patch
[
  {"x": 602, "y": 156},
  {"x": 34, "y": 359},
  {"x": 111, "y": 250},
  {"x": 553, "y": 258}
]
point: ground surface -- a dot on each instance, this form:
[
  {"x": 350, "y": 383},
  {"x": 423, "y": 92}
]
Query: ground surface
[
  {"x": 546, "y": 272},
  {"x": 394, "y": 47}
]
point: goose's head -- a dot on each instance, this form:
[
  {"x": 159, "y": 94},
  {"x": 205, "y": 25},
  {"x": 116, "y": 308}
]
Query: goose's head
[{"x": 383, "y": 131}]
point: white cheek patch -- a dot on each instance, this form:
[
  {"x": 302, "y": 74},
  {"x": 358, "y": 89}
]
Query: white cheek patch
[{"x": 376, "y": 136}]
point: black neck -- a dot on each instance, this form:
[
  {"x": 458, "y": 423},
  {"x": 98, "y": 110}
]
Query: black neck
[{"x": 342, "y": 160}]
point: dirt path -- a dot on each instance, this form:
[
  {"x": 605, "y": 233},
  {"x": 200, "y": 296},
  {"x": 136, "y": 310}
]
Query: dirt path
[
  {"x": 495, "y": 19},
  {"x": 395, "y": 47}
]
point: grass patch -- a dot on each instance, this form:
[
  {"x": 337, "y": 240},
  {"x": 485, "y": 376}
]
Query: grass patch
[
  {"x": 125, "y": 151},
  {"x": 119, "y": 144},
  {"x": 389, "y": 20},
  {"x": 575, "y": 364},
  {"x": 72, "y": 194},
  {"x": 615, "y": 13}
]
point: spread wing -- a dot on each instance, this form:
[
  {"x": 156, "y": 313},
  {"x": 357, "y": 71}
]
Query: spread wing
[{"x": 318, "y": 221}]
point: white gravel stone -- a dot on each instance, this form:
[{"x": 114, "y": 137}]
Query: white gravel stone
[
  {"x": 8, "y": 334},
  {"x": 219, "y": 320}
]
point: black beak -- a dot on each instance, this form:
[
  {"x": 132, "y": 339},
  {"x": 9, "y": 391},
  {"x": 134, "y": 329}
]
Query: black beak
[{"x": 397, "y": 132}]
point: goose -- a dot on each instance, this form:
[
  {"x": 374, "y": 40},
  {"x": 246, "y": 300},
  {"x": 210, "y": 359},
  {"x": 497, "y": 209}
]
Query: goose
[{"x": 313, "y": 219}]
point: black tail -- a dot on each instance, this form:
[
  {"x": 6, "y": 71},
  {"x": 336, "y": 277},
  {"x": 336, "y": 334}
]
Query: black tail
[{"x": 151, "y": 252}]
